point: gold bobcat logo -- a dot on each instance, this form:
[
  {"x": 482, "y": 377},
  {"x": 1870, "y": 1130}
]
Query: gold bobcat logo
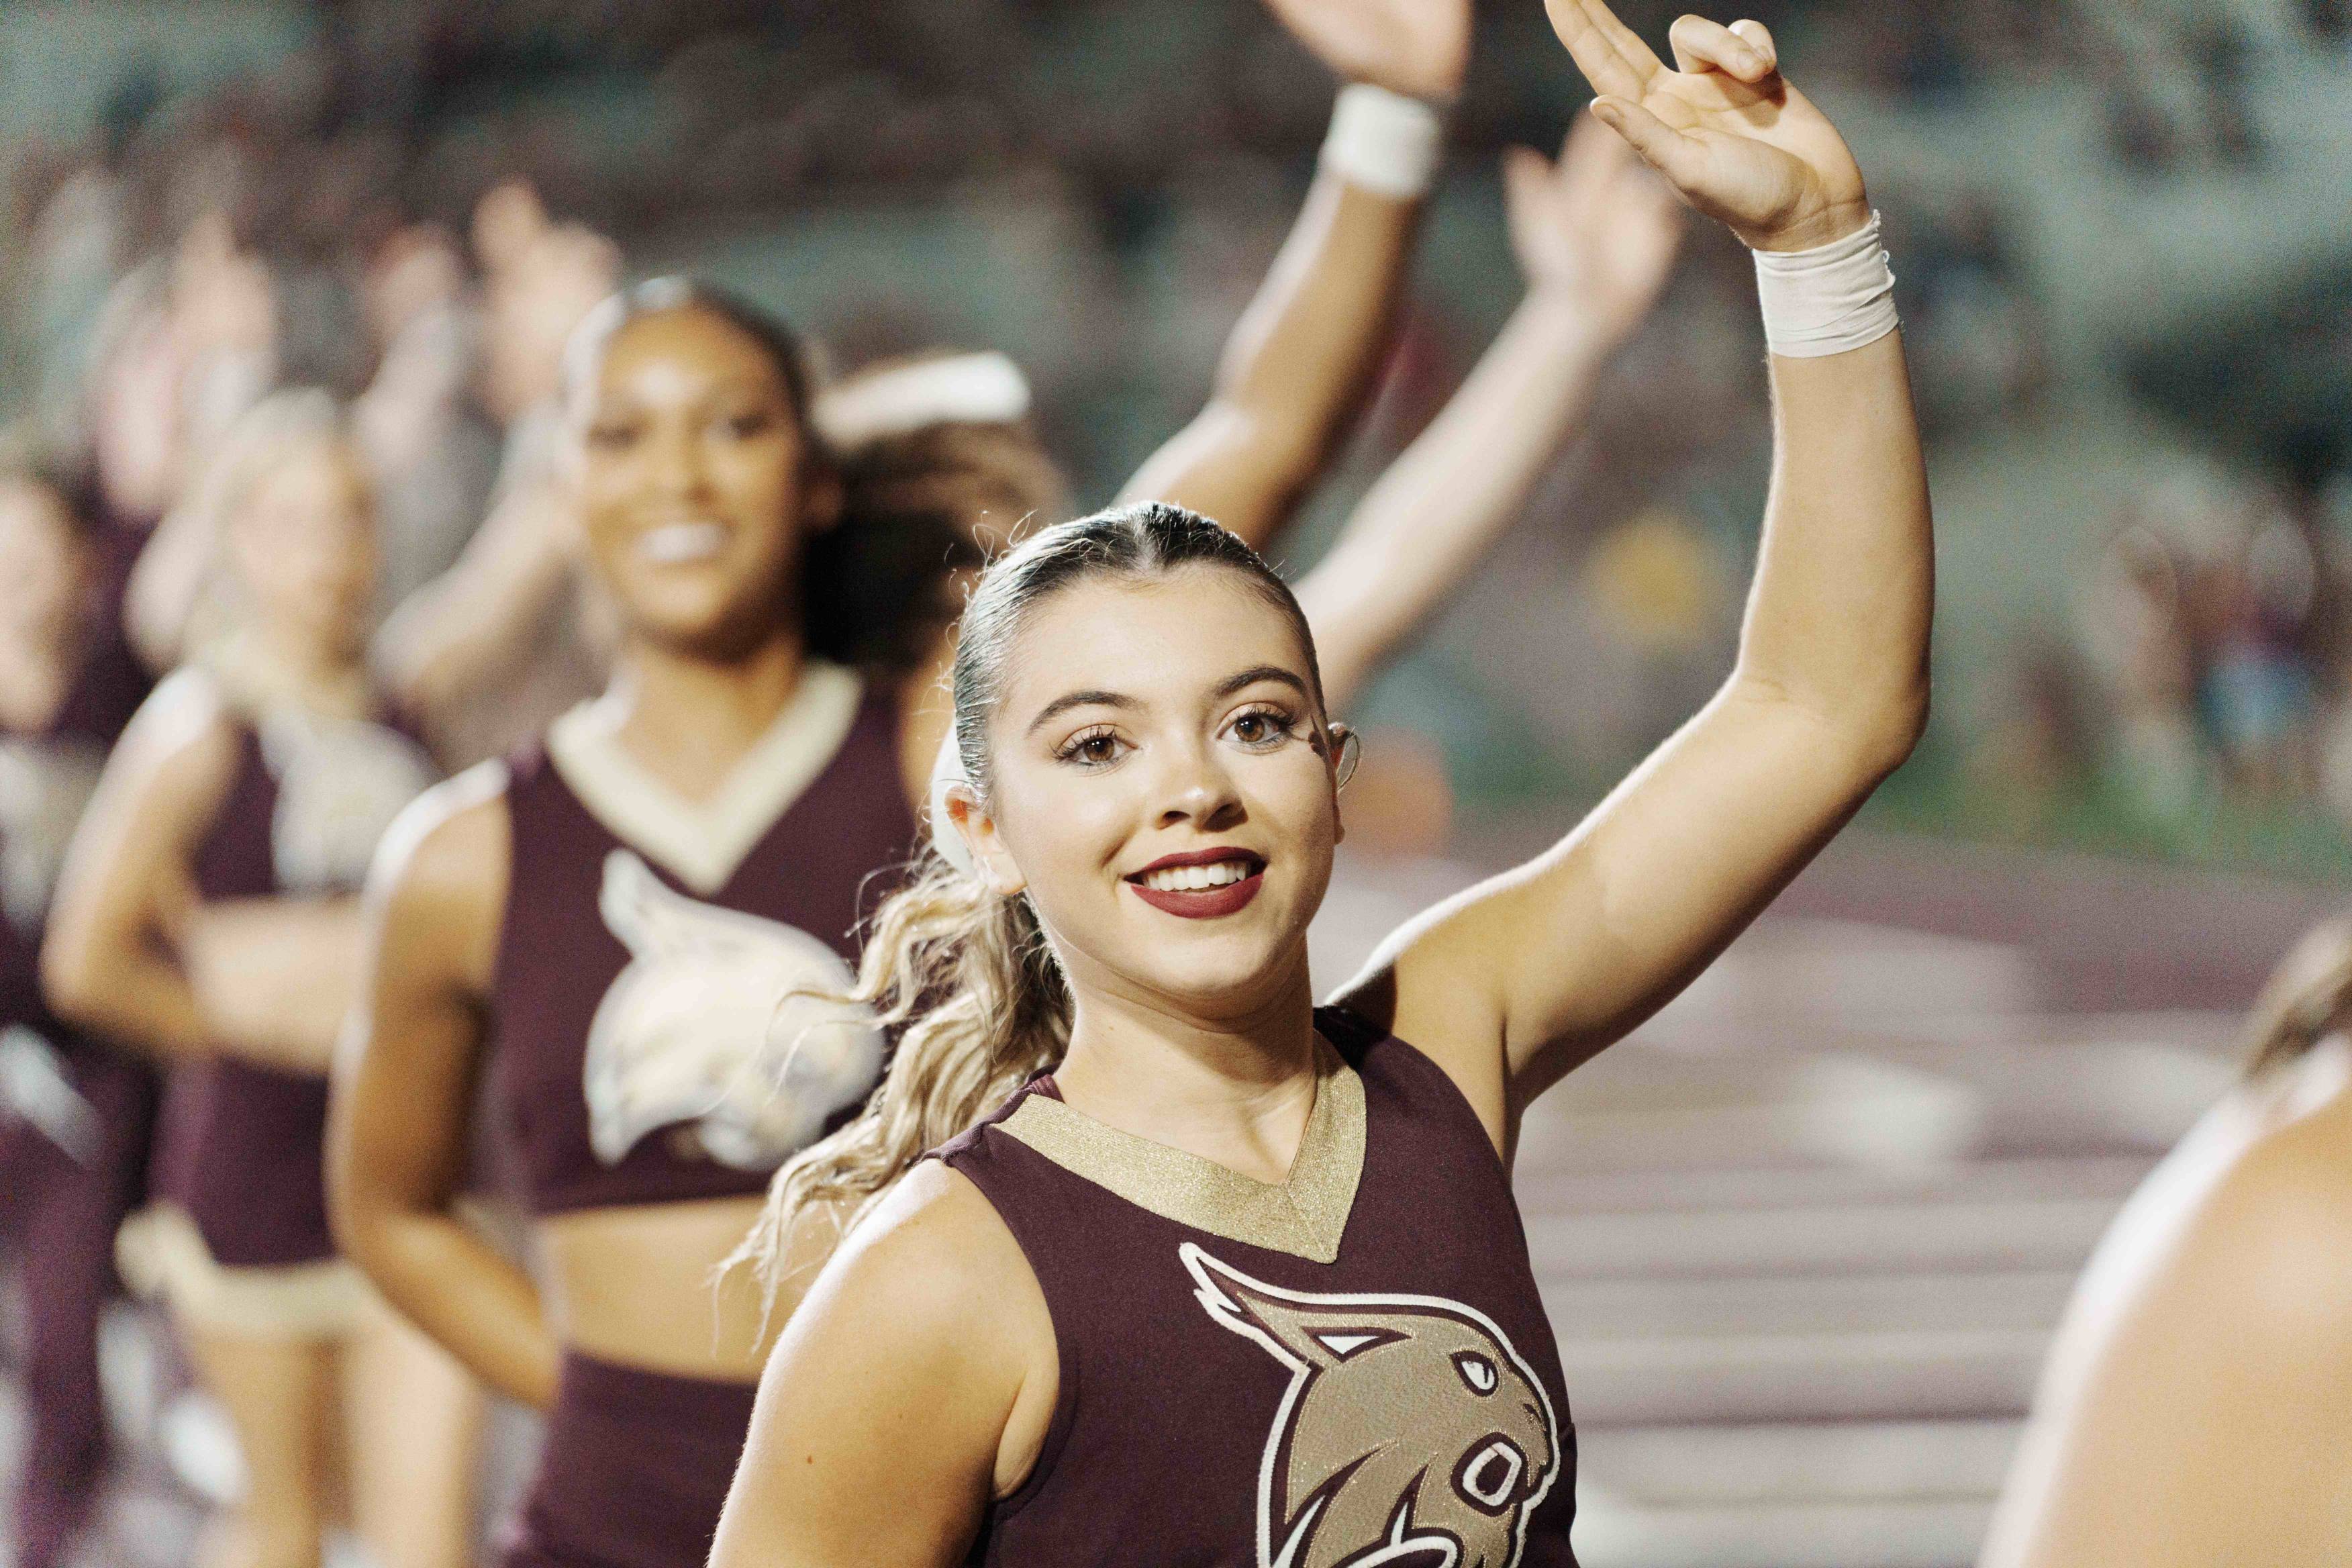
[
  {"x": 719, "y": 1023},
  {"x": 1412, "y": 1435}
]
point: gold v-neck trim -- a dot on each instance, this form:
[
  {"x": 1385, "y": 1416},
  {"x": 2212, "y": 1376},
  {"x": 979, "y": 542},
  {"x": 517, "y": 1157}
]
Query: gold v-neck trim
[
  {"x": 1304, "y": 1217},
  {"x": 702, "y": 842}
]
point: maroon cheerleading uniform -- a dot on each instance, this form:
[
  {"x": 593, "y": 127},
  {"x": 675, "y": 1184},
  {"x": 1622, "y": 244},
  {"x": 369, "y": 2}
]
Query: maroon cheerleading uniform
[
  {"x": 242, "y": 1149},
  {"x": 635, "y": 1062},
  {"x": 76, "y": 1171},
  {"x": 1353, "y": 1367}
]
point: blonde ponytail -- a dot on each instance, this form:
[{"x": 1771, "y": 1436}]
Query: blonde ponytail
[
  {"x": 964, "y": 979},
  {"x": 2304, "y": 1000}
]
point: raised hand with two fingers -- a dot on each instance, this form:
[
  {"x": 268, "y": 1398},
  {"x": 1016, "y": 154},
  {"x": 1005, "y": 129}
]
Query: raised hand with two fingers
[{"x": 1724, "y": 127}]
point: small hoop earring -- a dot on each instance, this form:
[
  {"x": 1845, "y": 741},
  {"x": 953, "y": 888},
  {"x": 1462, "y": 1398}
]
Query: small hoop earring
[{"x": 1351, "y": 753}]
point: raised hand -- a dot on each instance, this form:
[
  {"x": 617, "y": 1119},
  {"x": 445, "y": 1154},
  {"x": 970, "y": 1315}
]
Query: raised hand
[
  {"x": 1725, "y": 128},
  {"x": 1597, "y": 228},
  {"x": 1420, "y": 47}
]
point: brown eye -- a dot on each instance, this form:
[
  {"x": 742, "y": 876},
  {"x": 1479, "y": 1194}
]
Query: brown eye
[
  {"x": 1091, "y": 748},
  {"x": 1262, "y": 729}
]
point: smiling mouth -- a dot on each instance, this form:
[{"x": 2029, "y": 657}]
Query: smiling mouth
[
  {"x": 1200, "y": 890},
  {"x": 677, "y": 543}
]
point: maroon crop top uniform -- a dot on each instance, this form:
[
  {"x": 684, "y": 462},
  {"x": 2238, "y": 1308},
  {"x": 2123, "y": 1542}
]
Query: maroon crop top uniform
[
  {"x": 1350, "y": 1367},
  {"x": 637, "y": 1058},
  {"x": 241, "y": 1147}
]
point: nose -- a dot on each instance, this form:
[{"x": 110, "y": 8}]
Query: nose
[
  {"x": 1194, "y": 787},
  {"x": 675, "y": 461}
]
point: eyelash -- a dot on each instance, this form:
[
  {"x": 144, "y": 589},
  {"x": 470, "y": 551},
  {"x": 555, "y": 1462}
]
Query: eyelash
[
  {"x": 1284, "y": 723},
  {"x": 1073, "y": 750}
]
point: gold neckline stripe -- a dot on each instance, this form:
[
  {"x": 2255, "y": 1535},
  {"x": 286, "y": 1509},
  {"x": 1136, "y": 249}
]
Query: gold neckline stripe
[{"x": 1304, "y": 1217}]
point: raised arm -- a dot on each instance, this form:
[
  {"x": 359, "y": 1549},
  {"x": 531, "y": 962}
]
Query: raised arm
[
  {"x": 403, "y": 1089},
  {"x": 482, "y": 619},
  {"x": 1597, "y": 237},
  {"x": 1304, "y": 355},
  {"x": 167, "y": 586},
  {"x": 1555, "y": 961},
  {"x": 128, "y": 888}
]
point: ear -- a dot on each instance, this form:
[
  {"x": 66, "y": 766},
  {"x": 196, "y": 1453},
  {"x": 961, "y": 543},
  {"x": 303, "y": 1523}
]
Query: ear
[
  {"x": 1347, "y": 751},
  {"x": 991, "y": 860}
]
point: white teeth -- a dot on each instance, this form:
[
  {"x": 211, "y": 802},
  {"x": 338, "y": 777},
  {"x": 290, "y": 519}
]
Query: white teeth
[
  {"x": 1196, "y": 879},
  {"x": 673, "y": 543}
]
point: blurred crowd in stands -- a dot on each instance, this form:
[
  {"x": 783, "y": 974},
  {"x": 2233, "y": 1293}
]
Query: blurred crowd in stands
[{"x": 417, "y": 206}]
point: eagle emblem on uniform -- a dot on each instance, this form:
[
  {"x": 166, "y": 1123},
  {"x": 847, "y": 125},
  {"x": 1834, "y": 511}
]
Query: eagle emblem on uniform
[
  {"x": 1412, "y": 1434},
  {"x": 722, "y": 1022}
]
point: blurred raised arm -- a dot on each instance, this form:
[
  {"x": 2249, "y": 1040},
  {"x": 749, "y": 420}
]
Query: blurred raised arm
[
  {"x": 1553, "y": 962},
  {"x": 1304, "y": 355},
  {"x": 1596, "y": 235}
]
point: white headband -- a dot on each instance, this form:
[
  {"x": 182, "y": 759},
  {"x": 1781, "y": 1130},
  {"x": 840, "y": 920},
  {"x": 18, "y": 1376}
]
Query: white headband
[{"x": 969, "y": 389}]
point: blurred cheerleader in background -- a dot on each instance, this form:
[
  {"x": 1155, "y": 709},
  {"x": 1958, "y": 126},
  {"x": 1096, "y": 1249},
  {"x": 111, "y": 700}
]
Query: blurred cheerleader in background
[
  {"x": 77, "y": 1114},
  {"x": 207, "y": 916}
]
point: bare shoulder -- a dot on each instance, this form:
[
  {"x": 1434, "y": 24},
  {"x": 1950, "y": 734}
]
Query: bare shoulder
[
  {"x": 939, "y": 1253},
  {"x": 183, "y": 731},
  {"x": 2273, "y": 1243},
  {"x": 452, "y": 836},
  {"x": 442, "y": 873},
  {"x": 2244, "y": 1234},
  {"x": 928, "y": 1304},
  {"x": 1423, "y": 986}
]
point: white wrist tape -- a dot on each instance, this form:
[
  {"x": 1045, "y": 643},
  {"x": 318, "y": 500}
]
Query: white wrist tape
[
  {"x": 948, "y": 770},
  {"x": 1384, "y": 142},
  {"x": 1827, "y": 300}
]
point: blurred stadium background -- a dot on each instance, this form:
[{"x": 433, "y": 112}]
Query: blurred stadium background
[{"x": 1805, "y": 1237}]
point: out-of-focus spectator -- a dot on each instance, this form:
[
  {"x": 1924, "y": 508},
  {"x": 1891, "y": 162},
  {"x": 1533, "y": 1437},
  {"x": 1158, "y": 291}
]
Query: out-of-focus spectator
[{"x": 2209, "y": 623}]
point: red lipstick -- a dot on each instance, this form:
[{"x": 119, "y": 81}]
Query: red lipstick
[{"x": 1201, "y": 903}]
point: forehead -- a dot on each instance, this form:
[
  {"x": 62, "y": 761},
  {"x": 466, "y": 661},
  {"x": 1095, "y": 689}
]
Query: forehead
[
  {"x": 1163, "y": 638},
  {"x": 302, "y": 482},
  {"x": 309, "y": 463},
  {"x": 683, "y": 352}
]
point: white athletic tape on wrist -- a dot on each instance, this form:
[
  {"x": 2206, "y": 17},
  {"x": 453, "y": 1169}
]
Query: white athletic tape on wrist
[
  {"x": 947, "y": 770},
  {"x": 1830, "y": 299},
  {"x": 1384, "y": 142}
]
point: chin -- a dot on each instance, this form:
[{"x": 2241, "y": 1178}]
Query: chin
[
  {"x": 1227, "y": 979},
  {"x": 719, "y": 632}
]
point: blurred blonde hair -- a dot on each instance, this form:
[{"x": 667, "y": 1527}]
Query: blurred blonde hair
[
  {"x": 2306, "y": 999},
  {"x": 185, "y": 600}
]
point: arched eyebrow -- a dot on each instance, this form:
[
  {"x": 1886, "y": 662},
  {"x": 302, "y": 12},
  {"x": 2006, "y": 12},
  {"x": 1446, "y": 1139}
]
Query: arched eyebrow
[
  {"x": 1256, "y": 673},
  {"x": 1069, "y": 699},
  {"x": 1225, "y": 687}
]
